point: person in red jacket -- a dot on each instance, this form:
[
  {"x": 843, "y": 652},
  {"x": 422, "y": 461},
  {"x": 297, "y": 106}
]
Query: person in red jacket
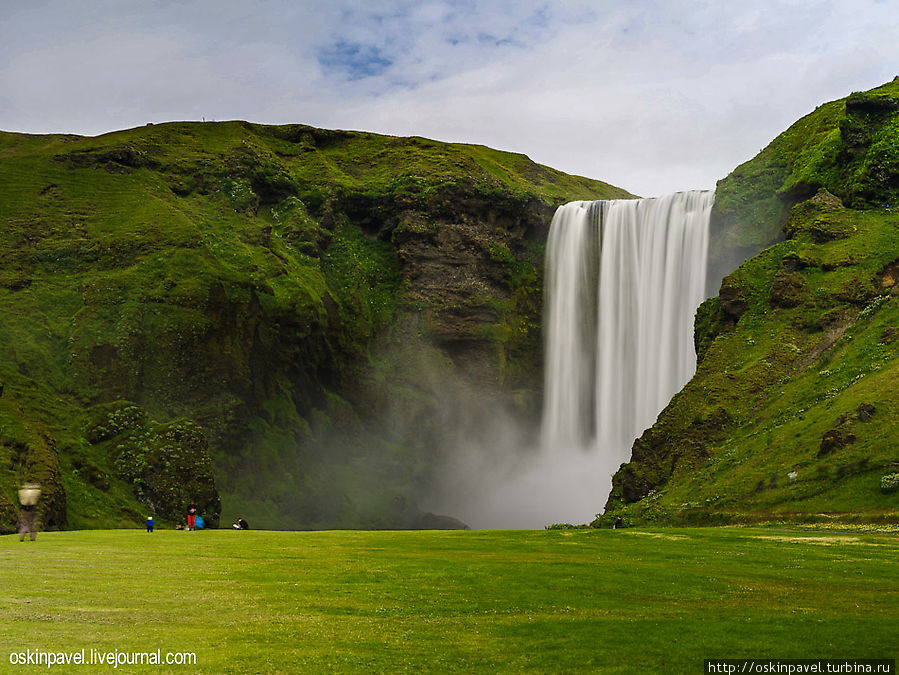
[{"x": 192, "y": 516}]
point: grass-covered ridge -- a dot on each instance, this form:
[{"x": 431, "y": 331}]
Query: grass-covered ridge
[
  {"x": 792, "y": 413},
  {"x": 227, "y": 283},
  {"x": 621, "y": 601},
  {"x": 850, "y": 147}
]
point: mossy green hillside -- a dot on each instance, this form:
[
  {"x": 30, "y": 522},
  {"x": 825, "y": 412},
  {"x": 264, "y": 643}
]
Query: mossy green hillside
[
  {"x": 850, "y": 147},
  {"x": 792, "y": 414},
  {"x": 229, "y": 280}
]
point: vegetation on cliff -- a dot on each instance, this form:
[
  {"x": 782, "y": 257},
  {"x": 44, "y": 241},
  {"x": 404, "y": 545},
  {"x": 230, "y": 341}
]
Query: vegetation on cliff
[
  {"x": 196, "y": 310},
  {"x": 792, "y": 413}
]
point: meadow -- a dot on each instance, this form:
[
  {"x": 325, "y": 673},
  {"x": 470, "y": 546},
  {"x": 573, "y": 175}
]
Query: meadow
[{"x": 554, "y": 601}]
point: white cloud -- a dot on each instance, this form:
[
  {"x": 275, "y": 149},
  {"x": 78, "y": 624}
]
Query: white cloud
[{"x": 652, "y": 96}]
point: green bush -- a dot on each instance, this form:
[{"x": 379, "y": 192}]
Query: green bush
[{"x": 889, "y": 483}]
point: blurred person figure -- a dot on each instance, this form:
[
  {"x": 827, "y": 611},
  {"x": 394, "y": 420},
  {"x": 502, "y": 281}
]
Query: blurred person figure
[
  {"x": 192, "y": 515},
  {"x": 241, "y": 524},
  {"x": 28, "y": 498},
  {"x": 149, "y": 523}
]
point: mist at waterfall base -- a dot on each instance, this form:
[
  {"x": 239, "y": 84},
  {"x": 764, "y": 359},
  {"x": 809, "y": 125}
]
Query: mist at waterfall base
[{"x": 623, "y": 281}]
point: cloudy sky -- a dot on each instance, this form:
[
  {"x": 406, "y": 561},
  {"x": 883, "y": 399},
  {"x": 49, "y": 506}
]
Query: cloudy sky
[{"x": 654, "y": 96}]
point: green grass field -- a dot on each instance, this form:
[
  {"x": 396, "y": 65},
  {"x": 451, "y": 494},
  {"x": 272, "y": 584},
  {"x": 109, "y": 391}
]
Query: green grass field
[{"x": 625, "y": 601}]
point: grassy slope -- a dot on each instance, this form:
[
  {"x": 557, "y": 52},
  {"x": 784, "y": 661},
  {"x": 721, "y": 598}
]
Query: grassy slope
[
  {"x": 558, "y": 601},
  {"x": 224, "y": 273},
  {"x": 851, "y": 151},
  {"x": 814, "y": 339}
]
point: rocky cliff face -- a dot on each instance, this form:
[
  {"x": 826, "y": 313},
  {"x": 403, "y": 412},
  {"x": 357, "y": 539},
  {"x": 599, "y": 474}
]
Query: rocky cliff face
[
  {"x": 791, "y": 414},
  {"x": 284, "y": 318},
  {"x": 475, "y": 272}
]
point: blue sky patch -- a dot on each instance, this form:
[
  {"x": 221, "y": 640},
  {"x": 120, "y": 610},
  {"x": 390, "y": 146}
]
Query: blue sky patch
[{"x": 354, "y": 60}]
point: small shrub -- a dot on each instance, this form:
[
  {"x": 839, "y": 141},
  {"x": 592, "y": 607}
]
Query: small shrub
[{"x": 889, "y": 483}]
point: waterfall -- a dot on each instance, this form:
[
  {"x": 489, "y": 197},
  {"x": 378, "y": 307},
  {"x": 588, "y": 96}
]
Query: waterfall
[{"x": 623, "y": 281}]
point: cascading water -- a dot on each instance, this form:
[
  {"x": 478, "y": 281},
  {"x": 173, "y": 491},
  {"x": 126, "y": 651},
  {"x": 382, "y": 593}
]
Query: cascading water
[{"x": 623, "y": 281}]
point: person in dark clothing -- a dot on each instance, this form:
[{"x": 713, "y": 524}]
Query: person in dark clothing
[
  {"x": 618, "y": 523},
  {"x": 192, "y": 511},
  {"x": 27, "y": 520},
  {"x": 241, "y": 524},
  {"x": 28, "y": 498},
  {"x": 149, "y": 523}
]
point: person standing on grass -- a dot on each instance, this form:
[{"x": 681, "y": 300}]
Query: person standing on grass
[
  {"x": 149, "y": 523},
  {"x": 192, "y": 515},
  {"x": 28, "y": 498}
]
